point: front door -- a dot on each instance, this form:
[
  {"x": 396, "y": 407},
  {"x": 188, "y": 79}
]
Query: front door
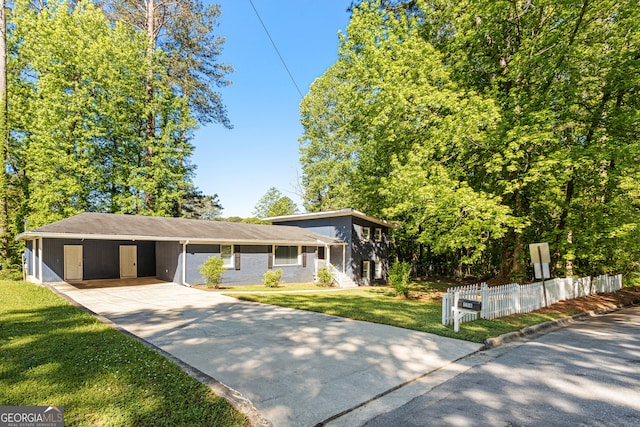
[
  {"x": 128, "y": 264},
  {"x": 72, "y": 262}
]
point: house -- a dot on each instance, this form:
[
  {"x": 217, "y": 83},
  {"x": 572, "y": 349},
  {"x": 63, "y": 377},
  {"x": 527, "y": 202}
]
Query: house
[
  {"x": 106, "y": 246},
  {"x": 364, "y": 256}
]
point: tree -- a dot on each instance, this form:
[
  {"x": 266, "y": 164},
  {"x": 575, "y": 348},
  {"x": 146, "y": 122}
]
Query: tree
[
  {"x": 273, "y": 203},
  {"x": 4, "y": 140},
  {"x": 403, "y": 130},
  {"x": 199, "y": 206},
  {"x": 485, "y": 127},
  {"x": 183, "y": 32}
]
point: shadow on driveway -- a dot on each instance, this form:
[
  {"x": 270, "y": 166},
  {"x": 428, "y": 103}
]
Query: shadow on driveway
[{"x": 296, "y": 367}]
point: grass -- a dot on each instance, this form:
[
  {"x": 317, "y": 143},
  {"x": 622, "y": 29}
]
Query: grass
[
  {"x": 52, "y": 353},
  {"x": 423, "y": 312}
]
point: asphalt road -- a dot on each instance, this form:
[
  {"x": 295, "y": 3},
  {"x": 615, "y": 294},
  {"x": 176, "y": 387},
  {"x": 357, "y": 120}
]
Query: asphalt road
[{"x": 587, "y": 374}]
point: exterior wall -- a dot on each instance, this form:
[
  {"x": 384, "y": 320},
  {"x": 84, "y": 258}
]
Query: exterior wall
[
  {"x": 254, "y": 262},
  {"x": 169, "y": 261},
  {"x": 28, "y": 257},
  {"x": 339, "y": 227},
  {"x": 369, "y": 250},
  {"x": 349, "y": 229},
  {"x": 100, "y": 258}
]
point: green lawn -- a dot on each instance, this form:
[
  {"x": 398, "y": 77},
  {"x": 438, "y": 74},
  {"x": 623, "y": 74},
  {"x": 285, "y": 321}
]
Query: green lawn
[
  {"x": 380, "y": 305},
  {"x": 52, "y": 353}
]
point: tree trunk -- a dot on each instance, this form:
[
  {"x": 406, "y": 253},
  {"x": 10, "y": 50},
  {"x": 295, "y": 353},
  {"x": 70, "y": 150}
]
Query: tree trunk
[
  {"x": 4, "y": 139},
  {"x": 150, "y": 130}
]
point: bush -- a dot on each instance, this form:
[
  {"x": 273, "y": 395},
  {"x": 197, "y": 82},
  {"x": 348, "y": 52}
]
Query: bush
[
  {"x": 324, "y": 277},
  {"x": 271, "y": 278},
  {"x": 11, "y": 272},
  {"x": 399, "y": 276},
  {"x": 212, "y": 270}
]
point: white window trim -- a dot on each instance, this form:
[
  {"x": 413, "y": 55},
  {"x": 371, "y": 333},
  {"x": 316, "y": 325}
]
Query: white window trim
[
  {"x": 377, "y": 274},
  {"x": 299, "y": 257},
  {"x": 231, "y": 263},
  {"x": 366, "y": 272},
  {"x": 366, "y": 233},
  {"x": 377, "y": 234}
]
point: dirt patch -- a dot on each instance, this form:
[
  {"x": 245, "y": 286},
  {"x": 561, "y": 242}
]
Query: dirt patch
[{"x": 606, "y": 301}]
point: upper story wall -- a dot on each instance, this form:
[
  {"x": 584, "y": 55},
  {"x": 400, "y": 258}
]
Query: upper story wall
[{"x": 336, "y": 227}]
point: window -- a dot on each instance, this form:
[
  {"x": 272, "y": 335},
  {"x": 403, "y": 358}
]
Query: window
[
  {"x": 377, "y": 234},
  {"x": 286, "y": 255},
  {"x": 366, "y": 270},
  {"x": 366, "y": 233},
  {"x": 378, "y": 272},
  {"x": 226, "y": 253}
]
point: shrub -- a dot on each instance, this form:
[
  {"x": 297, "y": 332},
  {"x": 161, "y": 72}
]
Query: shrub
[
  {"x": 10, "y": 272},
  {"x": 324, "y": 277},
  {"x": 271, "y": 278},
  {"x": 212, "y": 270},
  {"x": 399, "y": 276}
]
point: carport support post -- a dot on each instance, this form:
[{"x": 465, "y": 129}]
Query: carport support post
[{"x": 184, "y": 263}]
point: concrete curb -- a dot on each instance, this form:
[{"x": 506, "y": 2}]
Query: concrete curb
[
  {"x": 546, "y": 327},
  {"x": 234, "y": 397}
]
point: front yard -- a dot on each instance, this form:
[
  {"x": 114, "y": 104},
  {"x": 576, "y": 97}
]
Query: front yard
[
  {"x": 52, "y": 353},
  {"x": 423, "y": 311}
]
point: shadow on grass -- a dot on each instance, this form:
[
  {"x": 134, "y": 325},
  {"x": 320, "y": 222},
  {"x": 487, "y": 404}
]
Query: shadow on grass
[
  {"x": 381, "y": 305},
  {"x": 54, "y": 354}
]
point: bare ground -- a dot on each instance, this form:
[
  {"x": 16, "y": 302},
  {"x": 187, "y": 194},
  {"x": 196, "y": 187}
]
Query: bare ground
[{"x": 597, "y": 302}]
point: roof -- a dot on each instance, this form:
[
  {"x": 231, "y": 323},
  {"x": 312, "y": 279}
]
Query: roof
[
  {"x": 331, "y": 214},
  {"x": 104, "y": 226}
]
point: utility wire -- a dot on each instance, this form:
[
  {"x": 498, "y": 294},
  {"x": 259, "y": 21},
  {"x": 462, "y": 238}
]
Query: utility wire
[{"x": 276, "y": 49}]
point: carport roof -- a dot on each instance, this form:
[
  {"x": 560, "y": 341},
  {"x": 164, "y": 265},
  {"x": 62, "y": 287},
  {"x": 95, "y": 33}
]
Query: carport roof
[{"x": 104, "y": 226}]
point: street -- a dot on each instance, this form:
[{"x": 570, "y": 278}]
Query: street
[{"x": 586, "y": 374}]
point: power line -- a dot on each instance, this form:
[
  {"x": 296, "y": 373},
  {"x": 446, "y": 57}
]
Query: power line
[{"x": 276, "y": 49}]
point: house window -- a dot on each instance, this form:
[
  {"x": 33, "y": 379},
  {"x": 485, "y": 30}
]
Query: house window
[
  {"x": 366, "y": 270},
  {"x": 226, "y": 253},
  {"x": 378, "y": 271},
  {"x": 366, "y": 233},
  {"x": 286, "y": 255},
  {"x": 377, "y": 234}
]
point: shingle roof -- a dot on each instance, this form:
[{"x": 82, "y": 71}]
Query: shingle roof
[
  {"x": 91, "y": 225},
  {"x": 331, "y": 214}
]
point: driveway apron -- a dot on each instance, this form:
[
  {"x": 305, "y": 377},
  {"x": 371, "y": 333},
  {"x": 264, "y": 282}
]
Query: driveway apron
[{"x": 298, "y": 368}]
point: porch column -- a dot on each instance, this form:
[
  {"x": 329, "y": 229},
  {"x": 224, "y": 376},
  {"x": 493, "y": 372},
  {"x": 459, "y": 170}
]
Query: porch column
[
  {"x": 344, "y": 258},
  {"x": 39, "y": 277}
]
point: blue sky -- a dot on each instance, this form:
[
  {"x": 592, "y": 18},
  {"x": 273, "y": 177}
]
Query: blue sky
[{"x": 261, "y": 151}]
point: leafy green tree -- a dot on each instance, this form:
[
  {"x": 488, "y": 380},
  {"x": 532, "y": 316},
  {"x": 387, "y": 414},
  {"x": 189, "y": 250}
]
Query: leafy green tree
[
  {"x": 181, "y": 62},
  {"x": 485, "y": 127},
  {"x": 273, "y": 203},
  {"x": 199, "y": 206}
]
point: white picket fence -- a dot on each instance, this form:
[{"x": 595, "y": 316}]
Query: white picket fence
[{"x": 499, "y": 301}]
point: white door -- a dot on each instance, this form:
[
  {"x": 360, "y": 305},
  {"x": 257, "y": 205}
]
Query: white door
[
  {"x": 72, "y": 262},
  {"x": 128, "y": 264}
]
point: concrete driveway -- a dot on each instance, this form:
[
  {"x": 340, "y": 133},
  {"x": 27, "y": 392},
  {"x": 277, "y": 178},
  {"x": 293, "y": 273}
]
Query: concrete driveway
[{"x": 297, "y": 368}]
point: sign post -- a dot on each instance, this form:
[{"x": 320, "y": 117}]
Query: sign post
[{"x": 540, "y": 258}]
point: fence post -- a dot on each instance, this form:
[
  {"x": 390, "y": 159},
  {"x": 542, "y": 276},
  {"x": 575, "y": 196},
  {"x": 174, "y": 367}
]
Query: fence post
[
  {"x": 485, "y": 301},
  {"x": 446, "y": 309}
]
